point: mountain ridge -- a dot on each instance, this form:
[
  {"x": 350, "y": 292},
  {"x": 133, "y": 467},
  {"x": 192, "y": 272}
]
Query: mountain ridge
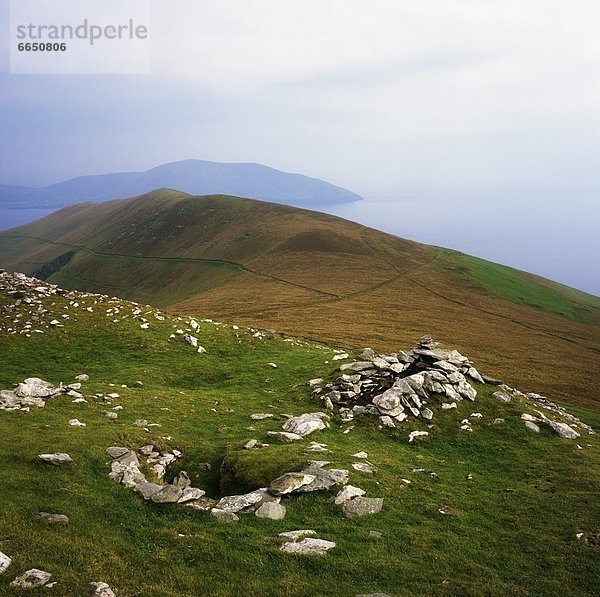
[{"x": 199, "y": 177}]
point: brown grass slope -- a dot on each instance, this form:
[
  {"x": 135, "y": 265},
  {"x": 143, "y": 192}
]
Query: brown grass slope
[{"x": 319, "y": 276}]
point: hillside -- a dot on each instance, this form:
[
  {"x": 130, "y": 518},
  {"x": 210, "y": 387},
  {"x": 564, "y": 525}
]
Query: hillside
[
  {"x": 171, "y": 477},
  {"x": 197, "y": 177},
  {"x": 318, "y": 276}
]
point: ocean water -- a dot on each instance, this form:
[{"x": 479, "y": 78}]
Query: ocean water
[
  {"x": 551, "y": 232},
  {"x": 9, "y": 218}
]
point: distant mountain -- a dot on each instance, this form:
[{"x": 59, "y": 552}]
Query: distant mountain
[
  {"x": 317, "y": 276},
  {"x": 196, "y": 177}
]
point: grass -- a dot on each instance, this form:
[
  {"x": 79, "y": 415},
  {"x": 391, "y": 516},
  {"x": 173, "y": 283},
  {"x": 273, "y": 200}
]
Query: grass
[{"x": 509, "y": 530}]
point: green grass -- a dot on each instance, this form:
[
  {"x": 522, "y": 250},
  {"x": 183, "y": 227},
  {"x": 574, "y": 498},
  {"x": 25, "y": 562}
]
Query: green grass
[
  {"x": 527, "y": 289},
  {"x": 511, "y": 530}
]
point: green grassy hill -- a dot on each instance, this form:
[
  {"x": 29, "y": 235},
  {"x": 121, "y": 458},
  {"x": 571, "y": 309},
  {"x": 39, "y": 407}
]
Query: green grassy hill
[
  {"x": 495, "y": 511},
  {"x": 317, "y": 276}
]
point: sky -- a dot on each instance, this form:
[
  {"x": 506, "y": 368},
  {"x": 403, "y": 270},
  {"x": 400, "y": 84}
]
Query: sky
[{"x": 375, "y": 96}]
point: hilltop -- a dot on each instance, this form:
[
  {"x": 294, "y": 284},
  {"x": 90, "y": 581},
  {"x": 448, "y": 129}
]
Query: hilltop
[
  {"x": 317, "y": 276},
  {"x": 149, "y": 453},
  {"x": 198, "y": 177}
]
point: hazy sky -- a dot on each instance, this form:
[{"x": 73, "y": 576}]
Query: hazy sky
[{"x": 374, "y": 96}]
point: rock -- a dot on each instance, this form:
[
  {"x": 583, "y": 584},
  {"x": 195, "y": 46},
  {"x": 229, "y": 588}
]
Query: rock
[
  {"x": 360, "y": 506},
  {"x": 191, "y": 340},
  {"x": 308, "y": 546},
  {"x": 449, "y": 405},
  {"x": 251, "y": 443},
  {"x": 427, "y": 414},
  {"x": 528, "y": 417},
  {"x": 465, "y": 389},
  {"x": 296, "y": 535},
  {"x": 169, "y": 494},
  {"x": 316, "y": 447},
  {"x": 140, "y": 423},
  {"x": 5, "y": 562},
  {"x": 340, "y": 357},
  {"x": 182, "y": 480},
  {"x": 204, "y": 504},
  {"x": 501, "y": 396},
  {"x": 305, "y": 424},
  {"x": 224, "y": 515},
  {"x": 388, "y": 403},
  {"x": 261, "y": 416},
  {"x": 531, "y": 425},
  {"x": 148, "y": 489},
  {"x": 34, "y": 387},
  {"x": 368, "y": 354},
  {"x": 563, "y": 430},
  {"x": 376, "y": 534},
  {"x": 191, "y": 494},
  {"x": 99, "y": 589},
  {"x": 54, "y": 518},
  {"x": 474, "y": 374},
  {"x": 31, "y": 578},
  {"x": 284, "y": 436},
  {"x": 347, "y": 493},
  {"x": 235, "y": 503},
  {"x": 117, "y": 452},
  {"x": 55, "y": 459},
  {"x": 360, "y": 455},
  {"x": 387, "y": 422},
  {"x": 76, "y": 423},
  {"x": 111, "y": 415},
  {"x": 289, "y": 482},
  {"x": 364, "y": 467},
  {"x": 324, "y": 479},
  {"x": 82, "y": 377},
  {"x": 271, "y": 510},
  {"x": 414, "y": 434},
  {"x": 498, "y": 421}
]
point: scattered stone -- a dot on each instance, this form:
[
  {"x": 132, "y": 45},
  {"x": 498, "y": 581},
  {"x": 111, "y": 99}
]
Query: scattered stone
[
  {"x": 82, "y": 377},
  {"x": 271, "y": 510},
  {"x": 308, "y": 546},
  {"x": 305, "y": 424},
  {"x": 31, "y": 578},
  {"x": 289, "y": 482},
  {"x": 147, "y": 490},
  {"x": 498, "y": 421},
  {"x": 224, "y": 515},
  {"x": 296, "y": 535},
  {"x": 361, "y": 506},
  {"x": 169, "y": 494},
  {"x": 55, "y": 459},
  {"x": 5, "y": 562},
  {"x": 364, "y": 467},
  {"x": 100, "y": 589},
  {"x": 54, "y": 518},
  {"x": 501, "y": 396},
  {"x": 316, "y": 447},
  {"x": 261, "y": 416},
  {"x": 532, "y": 426},
  {"x": 414, "y": 434},
  {"x": 191, "y": 494},
  {"x": 347, "y": 493},
  {"x": 284, "y": 436},
  {"x": 251, "y": 443},
  {"x": 360, "y": 455},
  {"x": 235, "y": 503},
  {"x": 376, "y": 534},
  {"x": 564, "y": 430},
  {"x": 76, "y": 423},
  {"x": 111, "y": 415}
]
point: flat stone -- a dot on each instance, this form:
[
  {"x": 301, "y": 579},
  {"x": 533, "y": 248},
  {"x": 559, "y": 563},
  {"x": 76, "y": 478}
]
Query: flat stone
[
  {"x": 169, "y": 494},
  {"x": 191, "y": 494},
  {"x": 261, "y": 416},
  {"x": 284, "y": 436},
  {"x": 54, "y": 518},
  {"x": 563, "y": 430},
  {"x": 364, "y": 467},
  {"x": 347, "y": 493},
  {"x": 271, "y": 510},
  {"x": 289, "y": 482},
  {"x": 532, "y": 426},
  {"x": 361, "y": 506},
  {"x": 324, "y": 478},
  {"x": 501, "y": 396},
  {"x": 305, "y": 424},
  {"x": 148, "y": 489},
  {"x": 251, "y": 443},
  {"x": 465, "y": 389},
  {"x": 204, "y": 504},
  {"x": 31, "y": 578},
  {"x": 5, "y": 562},
  {"x": 235, "y": 503},
  {"x": 99, "y": 589},
  {"x": 76, "y": 423},
  {"x": 297, "y": 535},
  {"x": 224, "y": 515},
  {"x": 308, "y": 546},
  {"x": 55, "y": 459}
]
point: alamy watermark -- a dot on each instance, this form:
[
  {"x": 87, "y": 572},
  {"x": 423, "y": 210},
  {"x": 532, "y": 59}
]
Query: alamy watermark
[{"x": 80, "y": 37}]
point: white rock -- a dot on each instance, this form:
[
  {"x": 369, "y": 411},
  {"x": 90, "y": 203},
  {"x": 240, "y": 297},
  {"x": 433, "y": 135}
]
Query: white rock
[
  {"x": 4, "y": 562},
  {"x": 100, "y": 589},
  {"x": 347, "y": 493},
  {"x": 413, "y": 434},
  {"x": 305, "y": 424},
  {"x": 76, "y": 423},
  {"x": 31, "y": 578},
  {"x": 308, "y": 546},
  {"x": 531, "y": 425},
  {"x": 55, "y": 459}
]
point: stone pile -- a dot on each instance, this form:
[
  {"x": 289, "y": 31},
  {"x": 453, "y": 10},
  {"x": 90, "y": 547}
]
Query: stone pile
[
  {"x": 397, "y": 386},
  {"x": 34, "y": 392}
]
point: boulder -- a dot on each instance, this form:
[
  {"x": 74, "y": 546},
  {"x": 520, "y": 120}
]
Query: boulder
[
  {"x": 147, "y": 490},
  {"x": 532, "y": 426},
  {"x": 360, "y": 506},
  {"x": 271, "y": 510},
  {"x": 34, "y": 387},
  {"x": 191, "y": 494},
  {"x": 169, "y": 494},
  {"x": 224, "y": 515},
  {"x": 563, "y": 430},
  {"x": 235, "y": 503}
]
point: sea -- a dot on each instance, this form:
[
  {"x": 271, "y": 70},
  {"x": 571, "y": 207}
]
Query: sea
[{"x": 552, "y": 232}]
